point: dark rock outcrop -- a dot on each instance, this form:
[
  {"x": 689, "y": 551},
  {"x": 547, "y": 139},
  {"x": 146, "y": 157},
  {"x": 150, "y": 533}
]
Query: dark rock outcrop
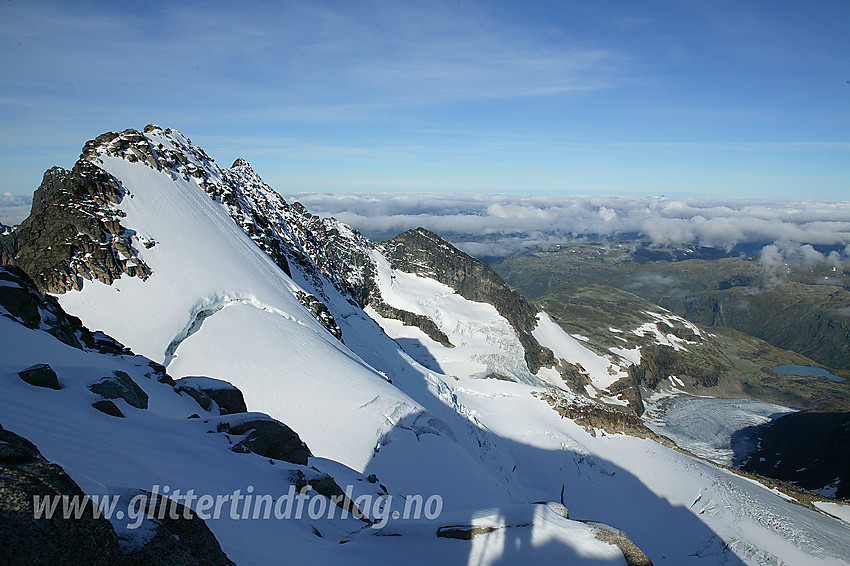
[
  {"x": 121, "y": 386},
  {"x": 468, "y": 532},
  {"x": 408, "y": 318},
  {"x": 74, "y": 232},
  {"x": 8, "y": 244},
  {"x": 175, "y": 536},
  {"x": 25, "y": 540},
  {"x": 108, "y": 407},
  {"x": 40, "y": 375},
  {"x": 424, "y": 253},
  {"x": 206, "y": 390},
  {"x": 327, "y": 252},
  {"x": 89, "y": 539},
  {"x": 265, "y": 436},
  {"x": 321, "y": 313},
  {"x": 593, "y": 415},
  {"x": 327, "y": 486},
  {"x": 158, "y": 373},
  {"x": 22, "y": 302}
]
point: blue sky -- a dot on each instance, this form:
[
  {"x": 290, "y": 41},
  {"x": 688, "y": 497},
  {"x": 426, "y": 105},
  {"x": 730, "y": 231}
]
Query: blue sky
[{"x": 723, "y": 99}]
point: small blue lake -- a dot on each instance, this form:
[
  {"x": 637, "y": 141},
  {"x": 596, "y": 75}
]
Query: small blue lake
[{"x": 806, "y": 370}]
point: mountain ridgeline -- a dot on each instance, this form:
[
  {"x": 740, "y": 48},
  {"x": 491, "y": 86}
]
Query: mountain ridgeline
[{"x": 72, "y": 235}]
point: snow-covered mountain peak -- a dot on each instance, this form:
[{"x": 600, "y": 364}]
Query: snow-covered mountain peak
[
  {"x": 405, "y": 360},
  {"x": 161, "y": 149}
]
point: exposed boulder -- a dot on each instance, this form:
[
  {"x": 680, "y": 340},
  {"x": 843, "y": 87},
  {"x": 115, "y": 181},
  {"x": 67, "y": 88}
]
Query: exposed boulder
[
  {"x": 325, "y": 485},
  {"x": 634, "y": 556},
  {"x": 170, "y": 535},
  {"x": 206, "y": 390},
  {"x": 158, "y": 372},
  {"x": 106, "y": 406},
  {"x": 265, "y": 436},
  {"x": 121, "y": 386},
  {"x": 25, "y": 540},
  {"x": 40, "y": 375}
]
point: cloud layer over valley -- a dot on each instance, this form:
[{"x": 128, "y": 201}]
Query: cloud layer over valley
[
  {"x": 799, "y": 232},
  {"x": 504, "y": 224}
]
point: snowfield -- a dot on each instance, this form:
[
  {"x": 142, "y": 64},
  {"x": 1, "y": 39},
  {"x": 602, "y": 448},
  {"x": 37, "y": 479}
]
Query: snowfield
[
  {"x": 602, "y": 371},
  {"x": 484, "y": 342}
]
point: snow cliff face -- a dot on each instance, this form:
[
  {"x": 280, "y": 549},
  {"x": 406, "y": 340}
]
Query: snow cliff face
[{"x": 241, "y": 286}]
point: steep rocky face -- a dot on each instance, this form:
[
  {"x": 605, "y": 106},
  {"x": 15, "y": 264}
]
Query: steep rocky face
[
  {"x": 74, "y": 232},
  {"x": 424, "y": 253},
  {"x": 341, "y": 253},
  {"x": 326, "y": 252},
  {"x": 324, "y": 249},
  {"x": 8, "y": 245},
  {"x": 321, "y": 312}
]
